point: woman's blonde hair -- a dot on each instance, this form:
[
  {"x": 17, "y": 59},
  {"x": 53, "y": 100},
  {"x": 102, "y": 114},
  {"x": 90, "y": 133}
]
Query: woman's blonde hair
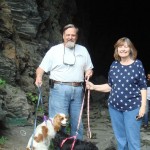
[{"x": 120, "y": 42}]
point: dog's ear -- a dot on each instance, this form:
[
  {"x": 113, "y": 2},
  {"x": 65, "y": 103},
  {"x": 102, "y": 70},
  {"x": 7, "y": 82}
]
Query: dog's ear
[
  {"x": 57, "y": 128},
  {"x": 57, "y": 122}
]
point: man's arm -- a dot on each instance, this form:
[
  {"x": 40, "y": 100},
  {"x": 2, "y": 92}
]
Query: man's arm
[{"x": 39, "y": 75}]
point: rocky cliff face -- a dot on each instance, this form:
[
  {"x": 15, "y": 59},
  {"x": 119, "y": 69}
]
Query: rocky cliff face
[{"x": 28, "y": 29}]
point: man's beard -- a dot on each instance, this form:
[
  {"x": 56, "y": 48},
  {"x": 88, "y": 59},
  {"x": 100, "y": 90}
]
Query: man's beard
[{"x": 70, "y": 44}]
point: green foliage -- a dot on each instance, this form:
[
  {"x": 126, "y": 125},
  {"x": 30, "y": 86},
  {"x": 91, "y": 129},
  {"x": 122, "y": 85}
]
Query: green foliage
[
  {"x": 40, "y": 110},
  {"x": 51, "y": 147},
  {"x": 3, "y": 140},
  {"x": 16, "y": 121},
  {"x": 2, "y": 82},
  {"x": 68, "y": 128},
  {"x": 32, "y": 97}
]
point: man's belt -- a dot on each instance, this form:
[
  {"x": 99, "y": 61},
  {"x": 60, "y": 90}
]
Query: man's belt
[{"x": 69, "y": 83}]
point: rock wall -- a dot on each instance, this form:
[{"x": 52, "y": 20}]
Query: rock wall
[{"x": 27, "y": 30}]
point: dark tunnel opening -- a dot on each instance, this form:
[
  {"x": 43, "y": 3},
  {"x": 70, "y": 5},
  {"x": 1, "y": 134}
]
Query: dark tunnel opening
[{"x": 104, "y": 22}]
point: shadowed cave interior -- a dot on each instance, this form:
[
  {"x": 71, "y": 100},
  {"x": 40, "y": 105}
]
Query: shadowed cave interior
[{"x": 104, "y": 22}]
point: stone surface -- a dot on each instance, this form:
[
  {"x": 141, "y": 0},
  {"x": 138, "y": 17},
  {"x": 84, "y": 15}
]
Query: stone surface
[{"x": 27, "y": 30}]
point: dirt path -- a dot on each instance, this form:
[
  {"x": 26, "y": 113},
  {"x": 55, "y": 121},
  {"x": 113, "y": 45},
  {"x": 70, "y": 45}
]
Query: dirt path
[{"x": 17, "y": 138}]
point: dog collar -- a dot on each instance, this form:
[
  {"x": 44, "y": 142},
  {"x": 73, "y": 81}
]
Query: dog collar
[
  {"x": 46, "y": 118},
  {"x": 51, "y": 120}
]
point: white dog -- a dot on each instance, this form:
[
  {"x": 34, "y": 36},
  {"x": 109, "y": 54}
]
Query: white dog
[{"x": 45, "y": 131}]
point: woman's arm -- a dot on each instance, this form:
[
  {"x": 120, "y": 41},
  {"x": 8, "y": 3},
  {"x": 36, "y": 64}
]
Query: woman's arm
[
  {"x": 143, "y": 102},
  {"x": 100, "y": 88}
]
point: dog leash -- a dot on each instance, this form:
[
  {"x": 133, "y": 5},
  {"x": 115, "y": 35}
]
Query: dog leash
[
  {"x": 72, "y": 137},
  {"x": 88, "y": 115},
  {"x": 89, "y": 131},
  {"x": 35, "y": 121},
  {"x": 88, "y": 101},
  {"x": 75, "y": 136}
]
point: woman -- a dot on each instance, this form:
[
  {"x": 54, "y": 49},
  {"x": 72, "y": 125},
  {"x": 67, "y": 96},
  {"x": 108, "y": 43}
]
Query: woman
[{"x": 127, "y": 98}]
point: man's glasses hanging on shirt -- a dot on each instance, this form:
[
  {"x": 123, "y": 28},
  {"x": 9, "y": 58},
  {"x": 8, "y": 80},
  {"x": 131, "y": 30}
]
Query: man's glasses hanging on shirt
[{"x": 69, "y": 56}]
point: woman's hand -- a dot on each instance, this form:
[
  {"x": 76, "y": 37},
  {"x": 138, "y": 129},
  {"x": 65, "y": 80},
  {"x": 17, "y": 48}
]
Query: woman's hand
[
  {"x": 143, "y": 103},
  {"x": 142, "y": 111}
]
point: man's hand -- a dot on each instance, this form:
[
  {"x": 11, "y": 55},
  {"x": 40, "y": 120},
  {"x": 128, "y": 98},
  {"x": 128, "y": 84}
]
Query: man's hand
[
  {"x": 39, "y": 74},
  {"x": 38, "y": 81},
  {"x": 88, "y": 74}
]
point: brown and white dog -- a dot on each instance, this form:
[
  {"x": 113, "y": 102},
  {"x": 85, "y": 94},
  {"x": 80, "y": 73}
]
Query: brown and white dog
[{"x": 46, "y": 131}]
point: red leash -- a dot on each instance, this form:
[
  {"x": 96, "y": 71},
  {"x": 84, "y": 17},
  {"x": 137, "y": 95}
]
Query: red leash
[
  {"x": 72, "y": 137},
  {"x": 89, "y": 131},
  {"x": 88, "y": 115}
]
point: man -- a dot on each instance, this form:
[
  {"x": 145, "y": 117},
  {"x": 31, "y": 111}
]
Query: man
[{"x": 69, "y": 63}]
